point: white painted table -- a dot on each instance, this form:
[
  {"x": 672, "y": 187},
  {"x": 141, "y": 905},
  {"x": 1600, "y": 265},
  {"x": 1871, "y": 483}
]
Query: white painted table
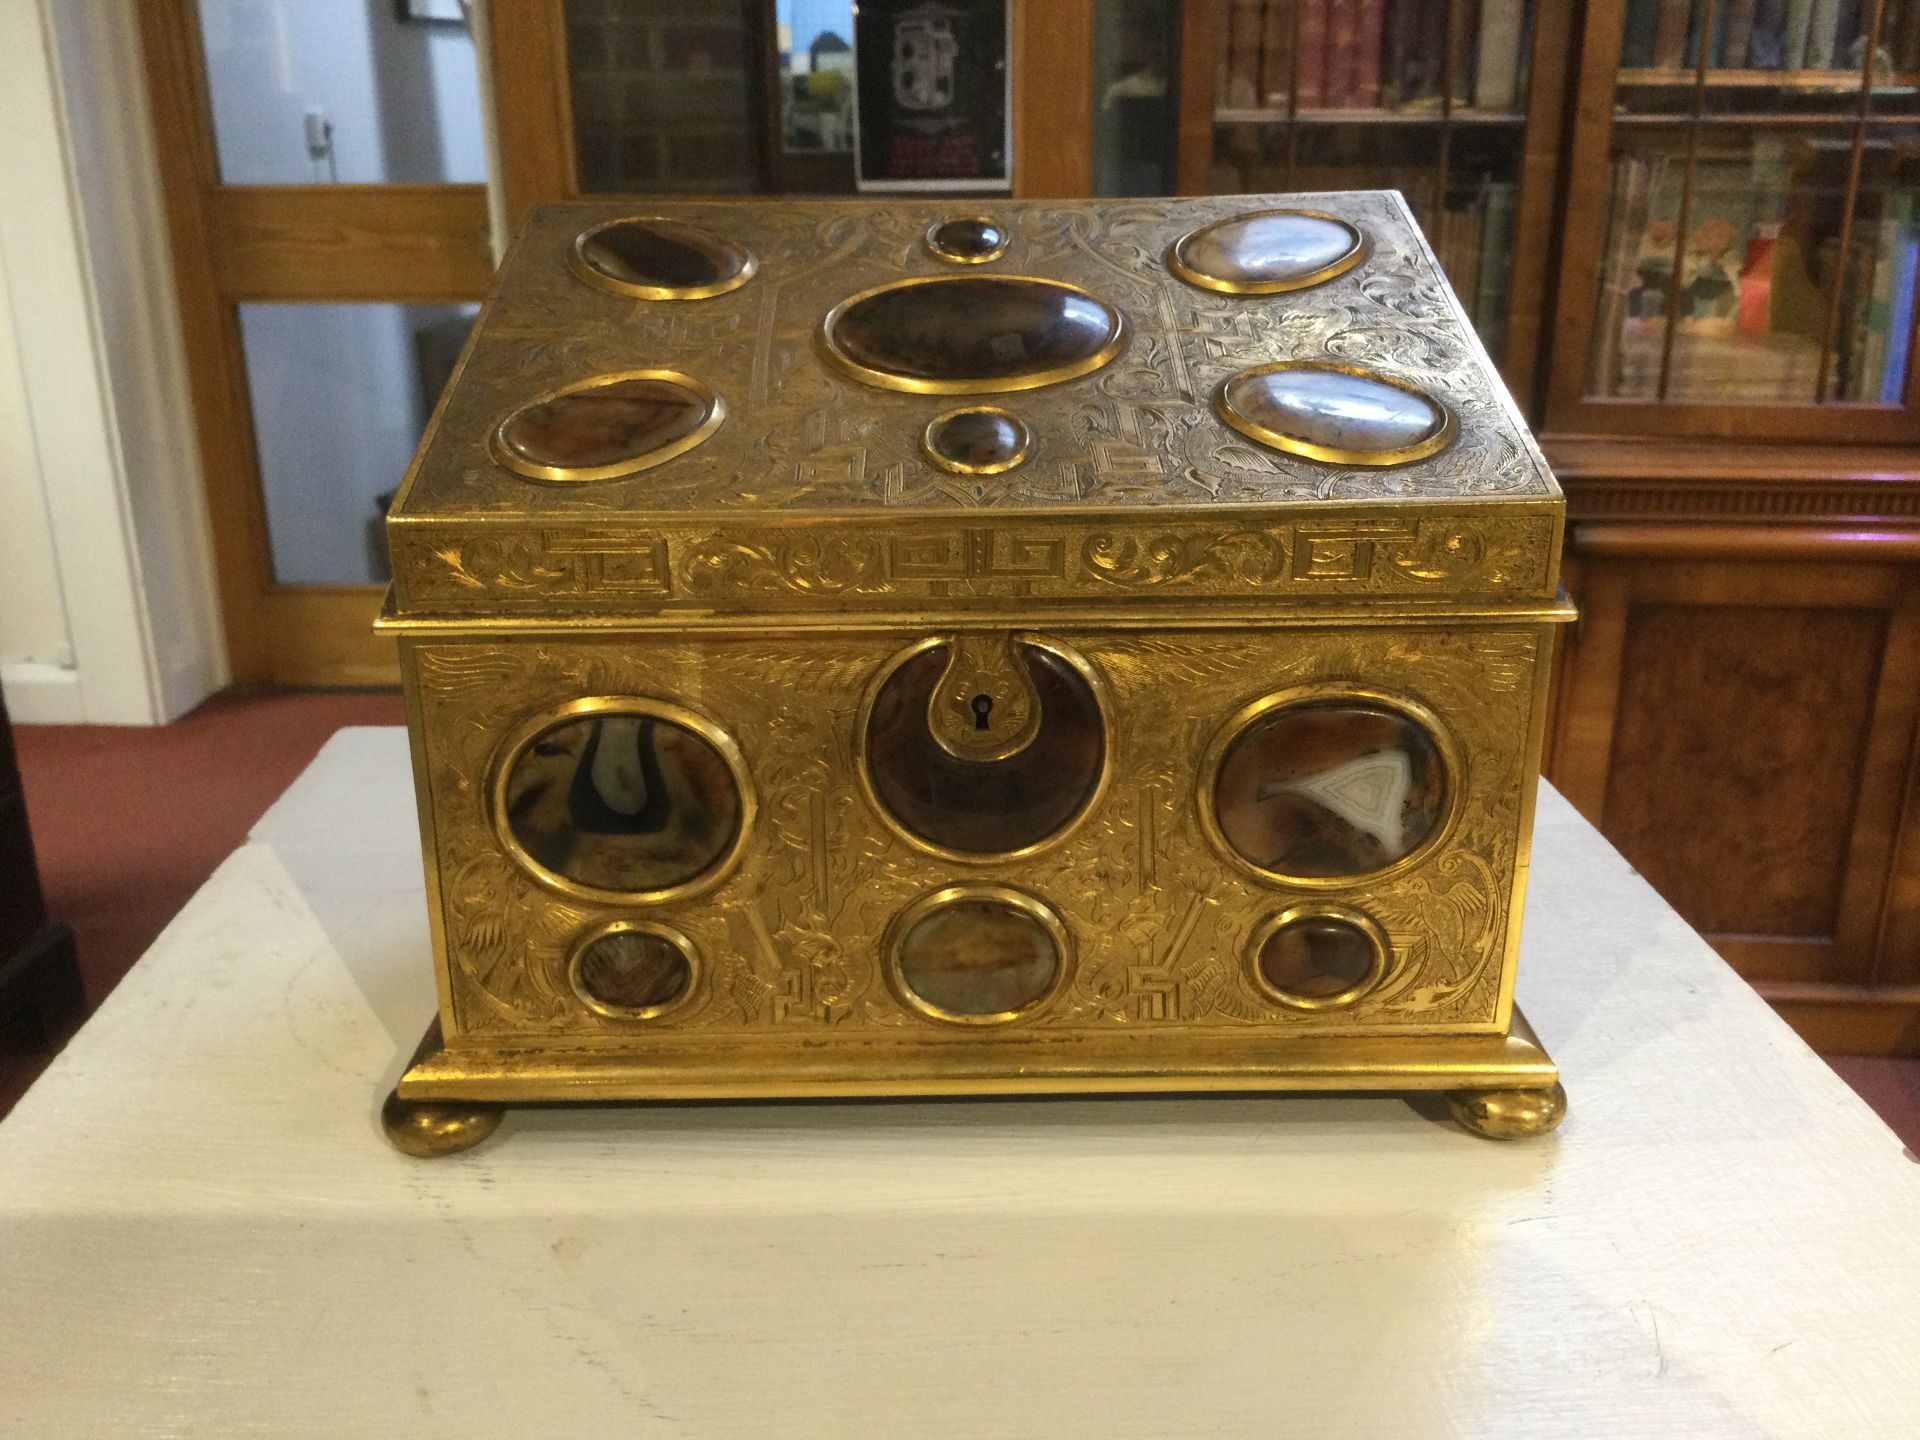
[{"x": 203, "y": 1233}]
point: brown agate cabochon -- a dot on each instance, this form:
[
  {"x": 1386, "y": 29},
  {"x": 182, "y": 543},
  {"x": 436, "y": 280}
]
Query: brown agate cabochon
[
  {"x": 607, "y": 428},
  {"x": 978, "y": 957},
  {"x": 967, "y": 239},
  {"x": 1317, "y": 958},
  {"x": 979, "y": 440},
  {"x": 628, "y": 803},
  {"x": 1329, "y": 789},
  {"x": 958, "y": 334},
  {"x": 985, "y": 807},
  {"x": 1330, "y": 412},
  {"x": 1268, "y": 251},
  {"x": 633, "y": 970},
  {"x": 661, "y": 259}
]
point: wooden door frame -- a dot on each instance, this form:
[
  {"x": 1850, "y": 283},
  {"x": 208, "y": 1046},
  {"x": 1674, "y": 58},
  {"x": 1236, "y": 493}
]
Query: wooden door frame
[{"x": 406, "y": 244}]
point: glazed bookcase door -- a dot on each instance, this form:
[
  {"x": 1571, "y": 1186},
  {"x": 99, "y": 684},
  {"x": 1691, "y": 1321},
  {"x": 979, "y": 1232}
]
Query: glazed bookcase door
[
  {"x": 1753, "y": 170},
  {"x": 1455, "y": 103}
]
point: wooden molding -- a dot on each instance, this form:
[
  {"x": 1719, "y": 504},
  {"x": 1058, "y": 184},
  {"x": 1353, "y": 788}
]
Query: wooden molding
[
  {"x": 1662, "y": 541},
  {"x": 1053, "y": 99},
  {"x": 422, "y": 243}
]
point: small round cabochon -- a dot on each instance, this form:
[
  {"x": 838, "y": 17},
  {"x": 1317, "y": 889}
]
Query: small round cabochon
[
  {"x": 978, "y": 440},
  {"x": 967, "y": 239},
  {"x": 635, "y": 971},
  {"x": 1268, "y": 252},
  {"x": 607, "y": 427},
  {"x": 1329, "y": 789},
  {"x": 978, "y": 957},
  {"x": 1318, "y": 959},
  {"x": 1335, "y": 413},
  {"x": 659, "y": 259}
]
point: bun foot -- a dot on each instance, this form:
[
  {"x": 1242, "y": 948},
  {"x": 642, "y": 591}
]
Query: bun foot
[
  {"x": 427, "y": 1128},
  {"x": 1509, "y": 1114}
]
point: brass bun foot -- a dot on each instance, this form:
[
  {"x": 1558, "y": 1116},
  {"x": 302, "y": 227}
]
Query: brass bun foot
[
  {"x": 438, "y": 1127},
  {"x": 1509, "y": 1114}
]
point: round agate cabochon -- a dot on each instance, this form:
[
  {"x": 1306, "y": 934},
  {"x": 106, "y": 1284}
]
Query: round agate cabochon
[
  {"x": 1268, "y": 252},
  {"x": 661, "y": 259},
  {"x": 979, "y": 440},
  {"x": 1329, "y": 789},
  {"x": 632, "y": 971},
  {"x": 978, "y": 958},
  {"x": 1335, "y": 413},
  {"x": 623, "y": 803},
  {"x": 967, "y": 239},
  {"x": 607, "y": 427},
  {"x": 965, "y": 334}
]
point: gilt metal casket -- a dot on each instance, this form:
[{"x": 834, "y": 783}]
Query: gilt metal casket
[{"x": 867, "y": 649}]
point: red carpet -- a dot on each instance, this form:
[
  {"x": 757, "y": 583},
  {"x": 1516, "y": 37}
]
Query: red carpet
[{"x": 130, "y": 822}]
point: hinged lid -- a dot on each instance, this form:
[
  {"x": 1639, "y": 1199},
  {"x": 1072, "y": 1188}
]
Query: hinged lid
[{"x": 774, "y": 407}]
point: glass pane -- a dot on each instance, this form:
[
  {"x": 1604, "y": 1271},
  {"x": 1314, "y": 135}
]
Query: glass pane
[
  {"x": 324, "y": 91},
  {"x": 1136, "y": 48},
  {"x": 340, "y": 395},
  {"x": 665, "y": 97},
  {"x": 816, "y": 95},
  {"x": 1742, "y": 264},
  {"x": 1419, "y": 96}
]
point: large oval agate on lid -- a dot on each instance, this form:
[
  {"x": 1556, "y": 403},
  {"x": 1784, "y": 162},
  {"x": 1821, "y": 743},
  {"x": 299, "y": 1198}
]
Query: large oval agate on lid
[
  {"x": 607, "y": 427},
  {"x": 651, "y": 258},
  {"x": 1266, "y": 252},
  {"x": 971, "y": 334},
  {"x": 1337, "y": 413}
]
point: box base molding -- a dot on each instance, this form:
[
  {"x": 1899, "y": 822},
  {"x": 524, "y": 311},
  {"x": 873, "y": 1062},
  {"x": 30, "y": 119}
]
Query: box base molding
[{"x": 1503, "y": 1087}]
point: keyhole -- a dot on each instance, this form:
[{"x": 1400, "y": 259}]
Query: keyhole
[{"x": 982, "y": 708}]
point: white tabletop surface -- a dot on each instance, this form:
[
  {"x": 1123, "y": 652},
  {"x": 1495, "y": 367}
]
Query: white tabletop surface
[{"x": 203, "y": 1233}]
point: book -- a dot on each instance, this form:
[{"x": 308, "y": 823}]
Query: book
[
  {"x": 1496, "y": 80},
  {"x": 1400, "y": 30},
  {"x": 1343, "y": 54},
  {"x": 1823, "y": 26},
  {"x": 1670, "y": 34},
  {"x": 1370, "y": 36},
  {"x": 1794, "y": 33},
  {"x": 1466, "y": 35},
  {"x": 1496, "y": 243},
  {"x": 1311, "y": 66},
  {"x": 1636, "y": 34},
  {"x": 1276, "y": 54},
  {"x": 1737, "y": 34},
  {"x": 1242, "y": 90},
  {"x": 1900, "y": 292},
  {"x": 1767, "y": 44}
]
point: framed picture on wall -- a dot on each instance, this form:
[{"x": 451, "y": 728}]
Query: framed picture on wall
[
  {"x": 434, "y": 12},
  {"x": 932, "y": 94}
]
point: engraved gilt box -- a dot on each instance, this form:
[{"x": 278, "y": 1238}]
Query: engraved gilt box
[{"x": 876, "y": 649}]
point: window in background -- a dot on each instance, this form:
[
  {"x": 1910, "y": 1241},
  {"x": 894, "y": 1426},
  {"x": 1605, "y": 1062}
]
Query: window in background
[
  {"x": 1136, "y": 49},
  {"x": 341, "y": 394},
  {"x": 328, "y": 91}
]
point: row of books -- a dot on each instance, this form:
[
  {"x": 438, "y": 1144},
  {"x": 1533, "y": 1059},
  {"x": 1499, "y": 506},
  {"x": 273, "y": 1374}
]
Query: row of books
[
  {"x": 1374, "y": 54},
  {"x": 1769, "y": 34},
  {"x": 1748, "y": 289}
]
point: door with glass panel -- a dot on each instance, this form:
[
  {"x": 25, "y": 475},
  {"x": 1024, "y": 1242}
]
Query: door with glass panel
[
  {"x": 1749, "y": 272},
  {"x": 324, "y": 164}
]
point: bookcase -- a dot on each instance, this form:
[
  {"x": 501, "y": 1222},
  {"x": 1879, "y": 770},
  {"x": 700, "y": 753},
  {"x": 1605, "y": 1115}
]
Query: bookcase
[
  {"x": 1688, "y": 231},
  {"x": 1457, "y": 105}
]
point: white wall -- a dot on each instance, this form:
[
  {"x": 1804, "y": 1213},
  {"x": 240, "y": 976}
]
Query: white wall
[{"x": 94, "y": 414}]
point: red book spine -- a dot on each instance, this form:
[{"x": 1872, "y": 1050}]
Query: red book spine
[
  {"x": 1314, "y": 26},
  {"x": 1368, "y": 41},
  {"x": 1343, "y": 52}
]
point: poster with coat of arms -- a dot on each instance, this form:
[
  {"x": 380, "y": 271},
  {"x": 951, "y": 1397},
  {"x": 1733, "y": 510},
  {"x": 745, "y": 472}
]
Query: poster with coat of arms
[{"x": 931, "y": 103}]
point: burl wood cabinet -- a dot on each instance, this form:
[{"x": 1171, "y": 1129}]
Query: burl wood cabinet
[{"x": 1736, "y": 709}]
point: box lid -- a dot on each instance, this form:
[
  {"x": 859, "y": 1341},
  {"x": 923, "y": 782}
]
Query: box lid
[{"x": 750, "y": 407}]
